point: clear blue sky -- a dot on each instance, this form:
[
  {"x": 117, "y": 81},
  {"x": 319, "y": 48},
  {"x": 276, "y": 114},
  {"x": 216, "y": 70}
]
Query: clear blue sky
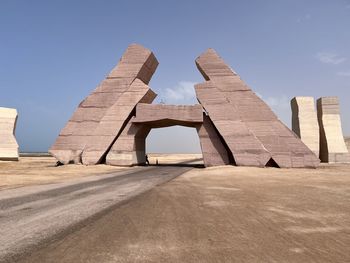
[{"x": 54, "y": 53}]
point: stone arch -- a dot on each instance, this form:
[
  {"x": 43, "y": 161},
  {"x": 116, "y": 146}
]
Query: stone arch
[{"x": 130, "y": 147}]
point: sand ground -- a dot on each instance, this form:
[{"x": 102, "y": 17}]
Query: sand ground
[
  {"x": 43, "y": 170},
  {"x": 222, "y": 214}
]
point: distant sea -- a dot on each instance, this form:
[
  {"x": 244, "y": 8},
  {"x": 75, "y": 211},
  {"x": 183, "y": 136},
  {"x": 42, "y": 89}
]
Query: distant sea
[{"x": 34, "y": 154}]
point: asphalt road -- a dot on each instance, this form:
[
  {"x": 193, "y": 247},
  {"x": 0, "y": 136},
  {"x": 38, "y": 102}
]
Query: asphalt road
[{"x": 31, "y": 217}]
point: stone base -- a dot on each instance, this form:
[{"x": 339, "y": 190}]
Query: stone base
[
  {"x": 339, "y": 158},
  {"x": 126, "y": 158}
]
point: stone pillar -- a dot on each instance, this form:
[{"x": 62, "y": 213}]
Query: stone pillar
[
  {"x": 347, "y": 142},
  {"x": 213, "y": 149},
  {"x": 332, "y": 145},
  {"x": 305, "y": 123},
  {"x": 8, "y": 143},
  {"x": 130, "y": 147}
]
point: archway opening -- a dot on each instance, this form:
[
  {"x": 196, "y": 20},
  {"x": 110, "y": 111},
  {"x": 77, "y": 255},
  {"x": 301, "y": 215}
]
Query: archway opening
[{"x": 175, "y": 146}]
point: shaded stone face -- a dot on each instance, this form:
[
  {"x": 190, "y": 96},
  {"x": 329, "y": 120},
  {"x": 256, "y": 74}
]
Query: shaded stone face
[
  {"x": 214, "y": 149},
  {"x": 130, "y": 147},
  {"x": 305, "y": 123},
  {"x": 332, "y": 145},
  {"x": 252, "y": 132},
  {"x": 8, "y": 143}
]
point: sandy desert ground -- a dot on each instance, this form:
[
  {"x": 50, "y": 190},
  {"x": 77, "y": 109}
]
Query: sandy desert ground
[
  {"x": 43, "y": 170},
  {"x": 221, "y": 214}
]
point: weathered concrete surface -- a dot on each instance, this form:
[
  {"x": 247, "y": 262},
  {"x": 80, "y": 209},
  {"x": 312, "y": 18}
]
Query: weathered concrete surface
[
  {"x": 224, "y": 214},
  {"x": 137, "y": 62},
  {"x": 347, "y": 142},
  {"x": 214, "y": 150},
  {"x": 305, "y": 123},
  {"x": 160, "y": 115},
  {"x": 243, "y": 128},
  {"x": 129, "y": 149},
  {"x": 243, "y": 145},
  {"x": 115, "y": 119},
  {"x": 8, "y": 143},
  {"x": 253, "y": 133},
  {"x": 33, "y": 216},
  {"x": 332, "y": 145}
]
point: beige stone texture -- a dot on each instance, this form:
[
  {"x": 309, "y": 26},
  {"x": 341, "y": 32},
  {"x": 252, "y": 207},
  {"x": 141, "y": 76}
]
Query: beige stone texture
[
  {"x": 305, "y": 123},
  {"x": 347, "y": 142},
  {"x": 130, "y": 147},
  {"x": 137, "y": 62},
  {"x": 214, "y": 149},
  {"x": 253, "y": 133},
  {"x": 8, "y": 143},
  {"x": 332, "y": 145}
]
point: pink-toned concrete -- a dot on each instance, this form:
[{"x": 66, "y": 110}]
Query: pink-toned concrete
[
  {"x": 161, "y": 115},
  {"x": 112, "y": 124},
  {"x": 214, "y": 150},
  {"x": 136, "y": 63},
  {"x": 237, "y": 127},
  {"x": 253, "y": 133},
  {"x": 130, "y": 147},
  {"x": 243, "y": 145}
]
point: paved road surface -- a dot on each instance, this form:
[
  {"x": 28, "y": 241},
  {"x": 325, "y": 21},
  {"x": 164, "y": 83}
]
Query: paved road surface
[{"x": 32, "y": 216}]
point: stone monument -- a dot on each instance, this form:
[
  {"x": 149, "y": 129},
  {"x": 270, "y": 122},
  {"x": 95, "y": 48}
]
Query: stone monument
[
  {"x": 305, "y": 123},
  {"x": 8, "y": 143},
  {"x": 252, "y": 132},
  {"x": 130, "y": 147},
  {"x": 233, "y": 124},
  {"x": 332, "y": 145},
  {"x": 101, "y": 116}
]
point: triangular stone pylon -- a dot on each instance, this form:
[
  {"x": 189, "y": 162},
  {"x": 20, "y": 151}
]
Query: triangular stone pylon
[
  {"x": 252, "y": 132},
  {"x": 102, "y": 115}
]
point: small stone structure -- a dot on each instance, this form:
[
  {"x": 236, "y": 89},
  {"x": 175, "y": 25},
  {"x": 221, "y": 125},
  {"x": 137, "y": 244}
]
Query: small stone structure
[
  {"x": 234, "y": 125},
  {"x": 305, "y": 122},
  {"x": 8, "y": 143},
  {"x": 347, "y": 142},
  {"x": 332, "y": 145}
]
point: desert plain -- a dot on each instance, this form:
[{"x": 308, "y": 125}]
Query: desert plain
[{"x": 220, "y": 214}]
